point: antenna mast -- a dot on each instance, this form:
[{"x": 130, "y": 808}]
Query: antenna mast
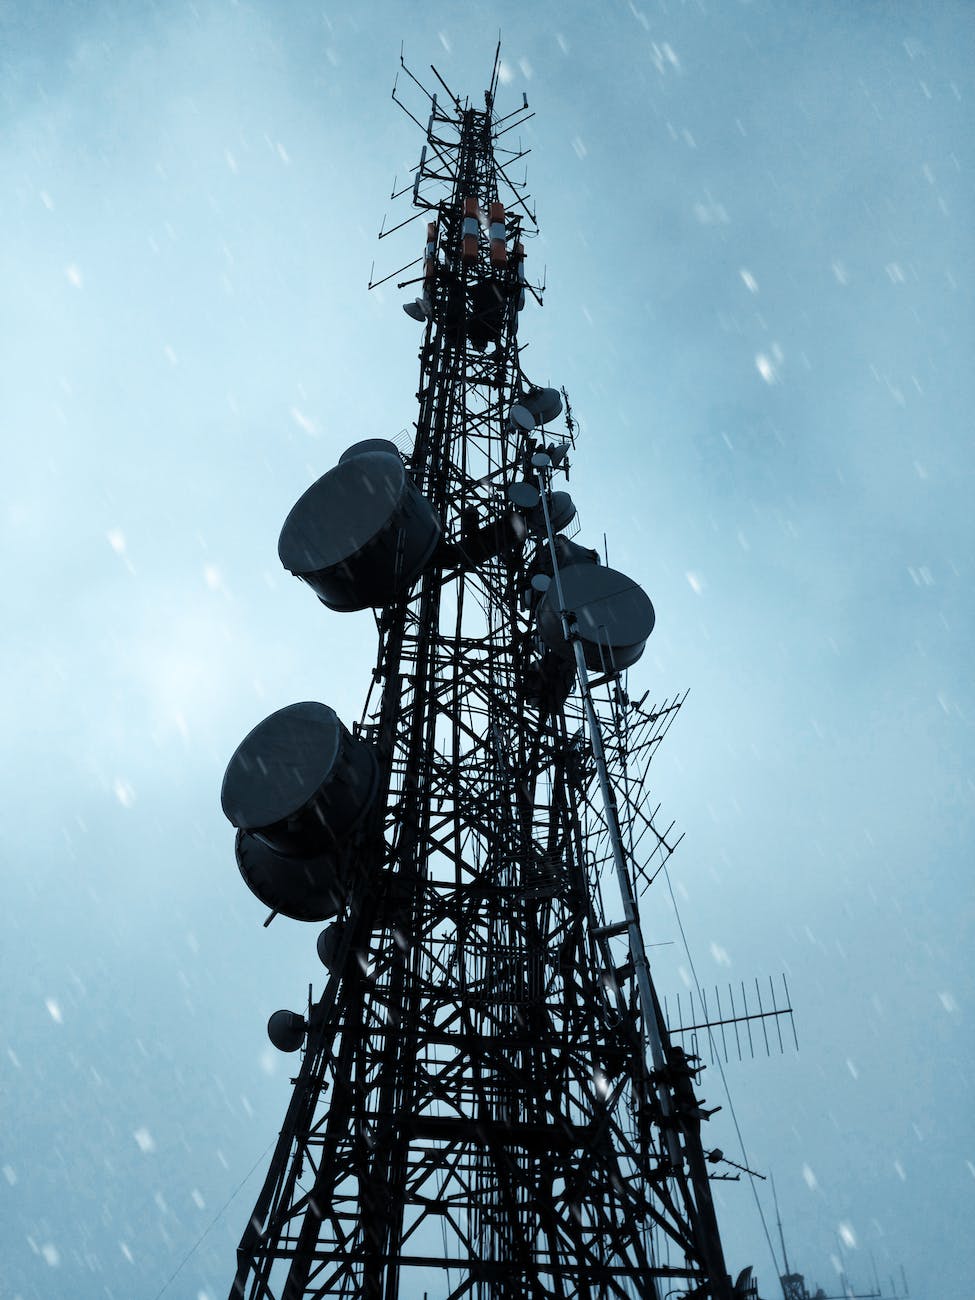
[{"x": 489, "y": 1102}]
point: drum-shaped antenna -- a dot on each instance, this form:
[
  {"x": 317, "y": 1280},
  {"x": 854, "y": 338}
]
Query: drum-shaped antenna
[
  {"x": 369, "y": 444},
  {"x": 614, "y": 616},
  {"x": 328, "y": 945},
  {"x": 361, "y": 535},
  {"x": 523, "y": 496},
  {"x": 561, "y": 511},
  {"x": 521, "y": 419},
  {"x": 299, "y": 782},
  {"x": 503, "y": 536},
  {"x": 305, "y": 889},
  {"x": 419, "y": 309},
  {"x": 544, "y": 403},
  {"x": 568, "y": 554},
  {"x": 286, "y": 1030}
]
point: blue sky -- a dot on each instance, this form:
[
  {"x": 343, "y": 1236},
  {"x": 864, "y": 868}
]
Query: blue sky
[{"x": 756, "y": 224}]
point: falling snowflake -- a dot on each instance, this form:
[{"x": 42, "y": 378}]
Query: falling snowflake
[
  {"x": 763, "y": 365},
  {"x": 146, "y": 1142},
  {"x": 124, "y": 792},
  {"x": 302, "y": 421},
  {"x": 847, "y": 1236},
  {"x": 709, "y": 213}
]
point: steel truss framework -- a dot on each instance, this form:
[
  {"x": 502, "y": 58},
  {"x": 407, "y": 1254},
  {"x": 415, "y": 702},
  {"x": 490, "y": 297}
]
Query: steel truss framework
[{"x": 480, "y": 1108}]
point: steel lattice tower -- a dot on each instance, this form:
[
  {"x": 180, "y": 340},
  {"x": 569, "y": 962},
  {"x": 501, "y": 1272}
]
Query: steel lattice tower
[{"x": 488, "y": 1101}]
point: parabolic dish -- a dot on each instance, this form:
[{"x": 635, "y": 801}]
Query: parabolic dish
[
  {"x": 281, "y": 765},
  {"x": 524, "y": 496},
  {"x": 362, "y": 534},
  {"x": 370, "y": 444},
  {"x": 306, "y": 889},
  {"x": 342, "y": 512},
  {"x": 521, "y": 418},
  {"x": 613, "y": 614},
  {"x": 544, "y": 403},
  {"x": 286, "y": 1030},
  {"x": 567, "y": 553},
  {"x": 561, "y": 510}
]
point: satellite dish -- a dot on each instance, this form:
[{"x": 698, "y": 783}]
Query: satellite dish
[
  {"x": 361, "y": 535},
  {"x": 286, "y": 1030},
  {"x": 299, "y": 782},
  {"x": 415, "y": 310},
  {"x": 545, "y": 404},
  {"x": 369, "y": 444},
  {"x": 519, "y": 417},
  {"x": 503, "y": 536},
  {"x": 561, "y": 510},
  {"x": 567, "y": 554},
  {"x": 613, "y": 615},
  {"x": 328, "y": 945},
  {"x": 541, "y": 460},
  {"x": 541, "y": 583},
  {"x": 304, "y": 889},
  {"x": 523, "y": 496}
]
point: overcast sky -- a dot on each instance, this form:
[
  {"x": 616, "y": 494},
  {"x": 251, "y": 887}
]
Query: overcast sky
[{"x": 757, "y": 229}]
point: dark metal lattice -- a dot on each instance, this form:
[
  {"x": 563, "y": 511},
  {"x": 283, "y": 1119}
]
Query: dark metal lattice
[{"x": 477, "y": 1110}]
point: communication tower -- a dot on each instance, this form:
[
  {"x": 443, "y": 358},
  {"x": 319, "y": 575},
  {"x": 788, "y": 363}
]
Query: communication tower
[{"x": 488, "y": 1102}]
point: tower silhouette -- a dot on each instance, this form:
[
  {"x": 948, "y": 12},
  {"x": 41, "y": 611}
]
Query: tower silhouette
[{"x": 488, "y": 1101}]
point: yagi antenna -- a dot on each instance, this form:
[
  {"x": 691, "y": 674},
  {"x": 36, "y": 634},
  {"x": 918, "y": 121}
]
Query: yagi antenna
[{"x": 726, "y": 1026}]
